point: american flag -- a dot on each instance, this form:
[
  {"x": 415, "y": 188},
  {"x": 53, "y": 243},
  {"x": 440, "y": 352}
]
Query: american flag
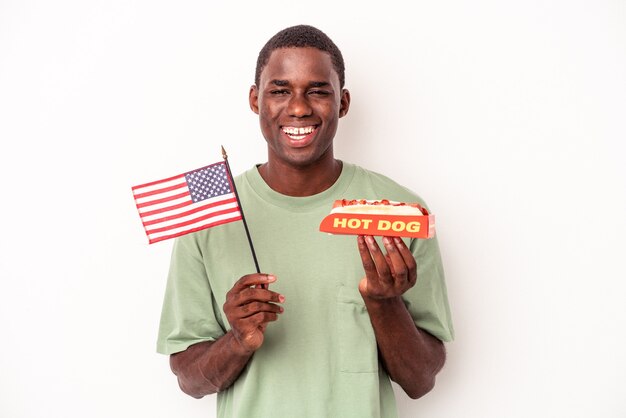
[{"x": 186, "y": 203}]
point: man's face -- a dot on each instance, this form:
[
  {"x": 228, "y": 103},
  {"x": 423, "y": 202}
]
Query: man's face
[{"x": 299, "y": 103}]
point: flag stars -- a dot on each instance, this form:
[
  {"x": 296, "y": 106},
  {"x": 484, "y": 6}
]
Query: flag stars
[{"x": 208, "y": 182}]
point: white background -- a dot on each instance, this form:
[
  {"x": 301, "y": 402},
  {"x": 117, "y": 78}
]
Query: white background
[{"x": 508, "y": 117}]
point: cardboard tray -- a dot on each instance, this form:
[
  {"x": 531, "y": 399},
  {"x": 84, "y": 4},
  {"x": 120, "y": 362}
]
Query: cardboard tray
[{"x": 379, "y": 225}]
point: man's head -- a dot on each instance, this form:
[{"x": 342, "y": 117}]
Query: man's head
[
  {"x": 299, "y": 97},
  {"x": 298, "y": 37}
]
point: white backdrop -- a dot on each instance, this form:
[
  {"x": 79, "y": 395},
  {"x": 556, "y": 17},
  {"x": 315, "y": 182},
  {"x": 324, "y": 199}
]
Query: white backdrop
[{"x": 507, "y": 117}]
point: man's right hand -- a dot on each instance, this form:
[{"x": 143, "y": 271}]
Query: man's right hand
[
  {"x": 212, "y": 366},
  {"x": 249, "y": 308}
]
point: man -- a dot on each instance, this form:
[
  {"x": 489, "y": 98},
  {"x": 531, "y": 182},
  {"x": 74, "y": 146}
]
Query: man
[{"x": 335, "y": 317}]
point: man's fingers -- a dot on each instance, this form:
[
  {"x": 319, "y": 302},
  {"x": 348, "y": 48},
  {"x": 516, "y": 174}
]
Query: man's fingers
[
  {"x": 251, "y": 301},
  {"x": 250, "y": 294},
  {"x": 409, "y": 260},
  {"x": 371, "y": 258},
  {"x": 252, "y": 308},
  {"x": 382, "y": 267},
  {"x": 263, "y": 318},
  {"x": 391, "y": 272},
  {"x": 366, "y": 258},
  {"x": 252, "y": 287},
  {"x": 256, "y": 279},
  {"x": 396, "y": 259},
  {"x": 253, "y": 323},
  {"x": 390, "y": 264},
  {"x": 246, "y": 300}
]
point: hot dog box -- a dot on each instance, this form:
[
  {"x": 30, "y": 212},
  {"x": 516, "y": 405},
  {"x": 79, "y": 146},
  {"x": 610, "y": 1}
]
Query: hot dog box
[{"x": 379, "y": 218}]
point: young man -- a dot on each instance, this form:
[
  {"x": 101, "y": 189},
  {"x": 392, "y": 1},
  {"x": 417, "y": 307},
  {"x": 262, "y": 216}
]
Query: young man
[{"x": 339, "y": 316}]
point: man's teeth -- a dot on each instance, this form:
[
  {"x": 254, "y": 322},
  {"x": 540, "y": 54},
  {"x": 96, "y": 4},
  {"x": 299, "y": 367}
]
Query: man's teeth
[{"x": 298, "y": 133}]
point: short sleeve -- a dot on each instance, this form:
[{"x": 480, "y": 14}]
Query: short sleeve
[
  {"x": 189, "y": 314},
  {"x": 427, "y": 301}
]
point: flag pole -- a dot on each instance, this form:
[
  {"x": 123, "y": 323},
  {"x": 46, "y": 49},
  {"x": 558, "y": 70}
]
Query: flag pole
[{"x": 243, "y": 218}]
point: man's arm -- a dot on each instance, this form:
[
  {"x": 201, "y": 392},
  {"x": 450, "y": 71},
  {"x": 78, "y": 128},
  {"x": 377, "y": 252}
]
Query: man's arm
[
  {"x": 411, "y": 356},
  {"x": 212, "y": 366}
]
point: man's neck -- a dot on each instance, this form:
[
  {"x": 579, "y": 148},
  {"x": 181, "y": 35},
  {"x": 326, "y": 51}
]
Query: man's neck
[{"x": 301, "y": 181}]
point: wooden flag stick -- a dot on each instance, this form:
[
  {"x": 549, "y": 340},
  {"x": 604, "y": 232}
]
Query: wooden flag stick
[{"x": 243, "y": 218}]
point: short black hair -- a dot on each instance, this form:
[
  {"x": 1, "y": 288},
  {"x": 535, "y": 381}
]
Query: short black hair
[{"x": 301, "y": 36}]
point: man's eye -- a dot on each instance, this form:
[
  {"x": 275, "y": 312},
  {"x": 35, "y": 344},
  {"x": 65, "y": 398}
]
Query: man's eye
[
  {"x": 279, "y": 92},
  {"x": 320, "y": 92}
]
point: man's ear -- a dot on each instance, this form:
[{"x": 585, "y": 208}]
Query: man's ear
[
  {"x": 345, "y": 103},
  {"x": 253, "y": 98}
]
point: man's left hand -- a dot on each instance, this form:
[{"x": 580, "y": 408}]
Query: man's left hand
[{"x": 386, "y": 275}]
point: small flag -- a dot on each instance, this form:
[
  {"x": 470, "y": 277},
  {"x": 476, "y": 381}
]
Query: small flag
[{"x": 187, "y": 203}]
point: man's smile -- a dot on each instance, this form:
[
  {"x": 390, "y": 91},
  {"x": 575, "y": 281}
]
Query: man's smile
[{"x": 296, "y": 133}]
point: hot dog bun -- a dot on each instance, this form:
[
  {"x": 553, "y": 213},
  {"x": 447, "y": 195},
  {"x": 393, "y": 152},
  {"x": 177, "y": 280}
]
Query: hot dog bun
[{"x": 380, "y": 207}]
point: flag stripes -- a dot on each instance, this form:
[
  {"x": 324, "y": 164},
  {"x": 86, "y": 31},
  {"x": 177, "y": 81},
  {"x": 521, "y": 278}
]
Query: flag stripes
[{"x": 186, "y": 203}]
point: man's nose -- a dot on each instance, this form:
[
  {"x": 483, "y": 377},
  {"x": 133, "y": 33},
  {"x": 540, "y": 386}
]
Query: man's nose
[{"x": 299, "y": 106}]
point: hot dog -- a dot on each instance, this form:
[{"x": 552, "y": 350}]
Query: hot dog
[
  {"x": 379, "y": 217},
  {"x": 380, "y": 207}
]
